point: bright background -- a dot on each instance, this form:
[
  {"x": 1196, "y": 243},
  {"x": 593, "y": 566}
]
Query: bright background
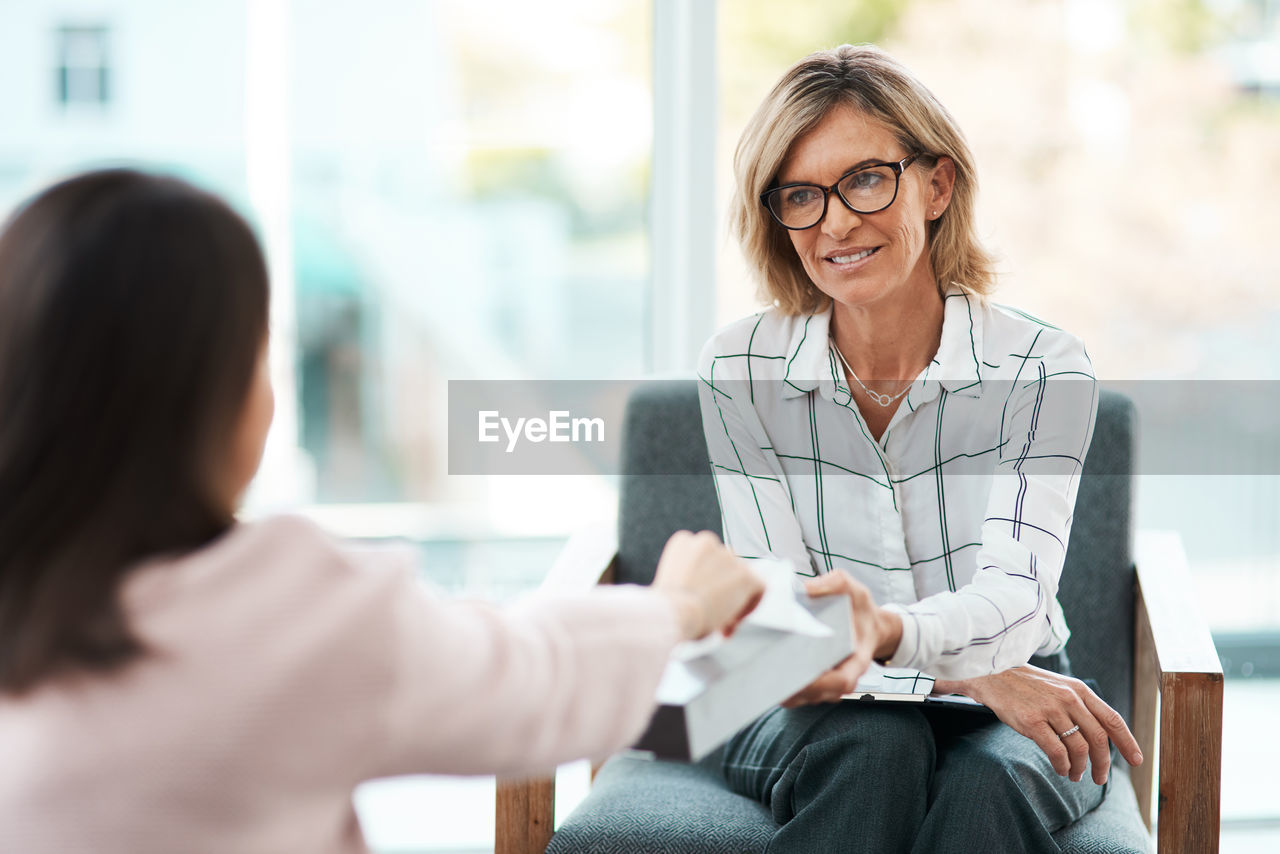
[{"x": 513, "y": 190}]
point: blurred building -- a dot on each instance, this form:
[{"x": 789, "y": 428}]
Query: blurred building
[{"x": 418, "y": 243}]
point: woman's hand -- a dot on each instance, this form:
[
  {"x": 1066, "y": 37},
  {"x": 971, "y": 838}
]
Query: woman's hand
[
  {"x": 1042, "y": 705},
  {"x": 710, "y": 587},
  {"x": 876, "y": 633}
]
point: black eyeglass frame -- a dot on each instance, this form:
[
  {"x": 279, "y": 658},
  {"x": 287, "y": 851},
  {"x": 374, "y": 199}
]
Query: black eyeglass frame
[{"x": 898, "y": 168}]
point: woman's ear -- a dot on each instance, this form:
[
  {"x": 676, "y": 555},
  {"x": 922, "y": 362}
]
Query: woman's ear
[{"x": 941, "y": 182}]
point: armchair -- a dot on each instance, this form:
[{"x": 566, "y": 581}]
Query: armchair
[{"x": 1135, "y": 630}]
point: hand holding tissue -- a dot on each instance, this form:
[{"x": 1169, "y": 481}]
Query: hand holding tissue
[{"x": 713, "y": 687}]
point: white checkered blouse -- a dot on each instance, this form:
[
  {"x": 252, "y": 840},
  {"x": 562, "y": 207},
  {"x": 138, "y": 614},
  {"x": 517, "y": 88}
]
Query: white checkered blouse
[{"x": 957, "y": 519}]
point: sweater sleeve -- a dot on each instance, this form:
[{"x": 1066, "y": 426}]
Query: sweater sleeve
[{"x": 478, "y": 689}]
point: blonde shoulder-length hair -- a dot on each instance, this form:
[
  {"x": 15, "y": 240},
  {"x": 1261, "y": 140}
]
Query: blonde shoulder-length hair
[{"x": 870, "y": 80}]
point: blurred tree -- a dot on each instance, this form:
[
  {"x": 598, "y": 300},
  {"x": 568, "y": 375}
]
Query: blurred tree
[
  {"x": 1186, "y": 26},
  {"x": 761, "y": 38}
]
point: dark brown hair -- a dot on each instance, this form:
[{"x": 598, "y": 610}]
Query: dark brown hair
[{"x": 133, "y": 308}]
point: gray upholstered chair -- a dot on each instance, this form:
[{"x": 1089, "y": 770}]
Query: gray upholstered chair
[{"x": 1134, "y": 630}]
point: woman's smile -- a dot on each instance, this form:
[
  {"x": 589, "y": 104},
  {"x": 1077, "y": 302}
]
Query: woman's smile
[{"x": 848, "y": 260}]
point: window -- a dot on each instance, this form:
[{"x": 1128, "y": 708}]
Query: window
[
  {"x": 84, "y": 68},
  {"x": 467, "y": 200}
]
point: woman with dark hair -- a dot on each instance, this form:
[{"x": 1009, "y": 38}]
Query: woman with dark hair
[
  {"x": 902, "y": 439},
  {"x": 171, "y": 680}
]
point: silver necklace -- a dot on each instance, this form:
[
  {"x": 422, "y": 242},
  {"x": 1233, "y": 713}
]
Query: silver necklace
[{"x": 882, "y": 399}]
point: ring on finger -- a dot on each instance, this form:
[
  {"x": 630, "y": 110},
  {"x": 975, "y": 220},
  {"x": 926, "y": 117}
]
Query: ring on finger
[{"x": 1075, "y": 729}]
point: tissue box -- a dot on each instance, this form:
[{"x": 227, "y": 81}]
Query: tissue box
[{"x": 705, "y": 699}]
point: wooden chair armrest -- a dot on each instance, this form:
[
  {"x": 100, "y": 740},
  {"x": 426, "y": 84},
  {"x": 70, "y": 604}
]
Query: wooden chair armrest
[
  {"x": 526, "y": 809},
  {"x": 1177, "y": 682},
  {"x": 526, "y": 813}
]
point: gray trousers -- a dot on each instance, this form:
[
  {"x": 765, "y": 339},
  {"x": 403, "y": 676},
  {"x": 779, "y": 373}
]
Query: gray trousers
[{"x": 889, "y": 778}]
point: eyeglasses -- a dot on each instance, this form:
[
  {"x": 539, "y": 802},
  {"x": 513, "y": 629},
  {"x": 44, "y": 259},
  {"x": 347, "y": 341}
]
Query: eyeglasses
[{"x": 864, "y": 190}]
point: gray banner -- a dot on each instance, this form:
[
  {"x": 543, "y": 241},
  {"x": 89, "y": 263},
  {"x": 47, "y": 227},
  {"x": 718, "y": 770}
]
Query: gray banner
[
  {"x": 573, "y": 427},
  {"x": 567, "y": 427}
]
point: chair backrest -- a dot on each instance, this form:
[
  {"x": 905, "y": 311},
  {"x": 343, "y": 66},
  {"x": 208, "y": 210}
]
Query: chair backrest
[{"x": 667, "y": 486}]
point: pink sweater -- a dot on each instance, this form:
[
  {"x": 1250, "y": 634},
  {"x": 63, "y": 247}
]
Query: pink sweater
[{"x": 287, "y": 669}]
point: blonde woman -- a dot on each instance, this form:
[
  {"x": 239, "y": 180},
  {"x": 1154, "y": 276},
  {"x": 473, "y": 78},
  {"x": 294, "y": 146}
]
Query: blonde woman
[{"x": 902, "y": 439}]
